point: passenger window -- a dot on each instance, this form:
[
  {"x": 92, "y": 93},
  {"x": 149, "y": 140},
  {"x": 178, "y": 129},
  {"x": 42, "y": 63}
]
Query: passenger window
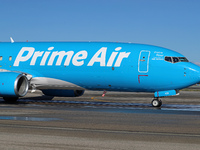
[
  {"x": 169, "y": 59},
  {"x": 1, "y": 58},
  {"x": 10, "y": 58},
  {"x": 175, "y": 59}
]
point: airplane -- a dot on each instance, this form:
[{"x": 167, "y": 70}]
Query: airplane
[{"x": 67, "y": 69}]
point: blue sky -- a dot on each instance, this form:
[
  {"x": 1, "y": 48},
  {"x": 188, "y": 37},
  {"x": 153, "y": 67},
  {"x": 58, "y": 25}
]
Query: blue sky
[{"x": 173, "y": 24}]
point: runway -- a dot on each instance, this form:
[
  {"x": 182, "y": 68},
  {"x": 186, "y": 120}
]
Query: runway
[{"x": 116, "y": 121}]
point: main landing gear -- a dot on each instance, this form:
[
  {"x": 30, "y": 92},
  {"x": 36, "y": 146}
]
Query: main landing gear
[
  {"x": 10, "y": 100},
  {"x": 156, "y": 102}
]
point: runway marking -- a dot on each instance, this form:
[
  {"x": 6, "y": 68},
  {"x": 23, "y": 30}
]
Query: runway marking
[{"x": 102, "y": 131}]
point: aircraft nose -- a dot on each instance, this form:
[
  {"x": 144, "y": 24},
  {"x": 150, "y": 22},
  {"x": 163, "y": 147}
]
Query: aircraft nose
[{"x": 194, "y": 73}]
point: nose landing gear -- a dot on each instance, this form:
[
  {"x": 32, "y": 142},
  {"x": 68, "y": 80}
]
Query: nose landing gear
[{"x": 156, "y": 102}]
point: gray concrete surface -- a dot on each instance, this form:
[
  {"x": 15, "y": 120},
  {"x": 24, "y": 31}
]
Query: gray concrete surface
[{"x": 46, "y": 125}]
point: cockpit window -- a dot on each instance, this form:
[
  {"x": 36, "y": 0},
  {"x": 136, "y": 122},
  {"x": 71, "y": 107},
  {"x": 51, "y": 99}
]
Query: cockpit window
[
  {"x": 175, "y": 59},
  {"x": 169, "y": 59},
  {"x": 183, "y": 59}
]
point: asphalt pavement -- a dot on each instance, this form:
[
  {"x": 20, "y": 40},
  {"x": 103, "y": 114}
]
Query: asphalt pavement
[{"x": 117, "y": 121}]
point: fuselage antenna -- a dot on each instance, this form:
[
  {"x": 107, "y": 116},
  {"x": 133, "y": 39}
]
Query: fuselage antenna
[{"x": 11, "y": 39}]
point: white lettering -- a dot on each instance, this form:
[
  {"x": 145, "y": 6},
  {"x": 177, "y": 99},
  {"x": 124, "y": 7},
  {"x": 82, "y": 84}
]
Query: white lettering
[
  {"x": 69, "y": 56},
  {"x": 20, "y": 56},
  {"x": 50, "y": 48},
  {"x": 111, "y": 59},
  {"x": 44, "y": 58},
  {"x": 35, "y": 56},
  {"x": 121, "y": 56},
  {"x": 100, "y": 59},
  {"x": 60, "y": 55},
  {"x": 118, "y": 48},
  {"x": 78, "y": 56},
  {"x": 27, "y": 53}
]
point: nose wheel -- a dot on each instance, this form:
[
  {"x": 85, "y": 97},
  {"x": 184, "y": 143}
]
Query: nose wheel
[{"x": 156, "y": 102}]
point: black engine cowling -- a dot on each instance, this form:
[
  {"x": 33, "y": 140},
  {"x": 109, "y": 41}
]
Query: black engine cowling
[{"x": 63, "y": 93}]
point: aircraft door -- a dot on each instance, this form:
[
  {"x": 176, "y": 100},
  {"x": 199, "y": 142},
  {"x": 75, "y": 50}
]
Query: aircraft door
[{"x": 143, "y": 62}]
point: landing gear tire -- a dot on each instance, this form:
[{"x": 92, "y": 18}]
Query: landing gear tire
[
  {"x": 10, "y": 100},
  {"x": 156, "y": 103}
]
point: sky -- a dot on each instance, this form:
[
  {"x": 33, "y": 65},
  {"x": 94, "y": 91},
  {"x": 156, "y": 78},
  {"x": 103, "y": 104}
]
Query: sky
[{"x": 173, "y": 24}]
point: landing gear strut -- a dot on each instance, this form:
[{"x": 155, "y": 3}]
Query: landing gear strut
[{"x": 156, "y": 102}]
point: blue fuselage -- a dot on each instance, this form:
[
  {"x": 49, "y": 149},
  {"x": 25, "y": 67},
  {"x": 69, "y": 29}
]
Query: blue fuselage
[{"x": 99, "y": 66}]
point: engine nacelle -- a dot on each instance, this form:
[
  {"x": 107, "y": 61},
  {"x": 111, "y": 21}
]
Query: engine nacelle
[
  {"x": 63, "y": 93},
  {"x": 13, "y": 84}
]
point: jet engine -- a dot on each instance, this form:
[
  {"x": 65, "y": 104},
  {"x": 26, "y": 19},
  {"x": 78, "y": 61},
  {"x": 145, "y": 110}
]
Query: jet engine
[
  {"x": 63, "y": 93},
  {"x": 13, "y": 84}
]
